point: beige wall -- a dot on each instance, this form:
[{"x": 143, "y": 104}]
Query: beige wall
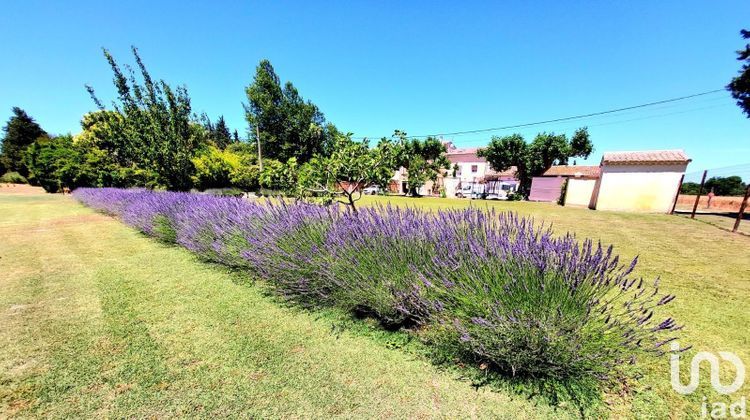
[
  {"x": 646, "y": 188},
  {"x": 579, "y": 192}
]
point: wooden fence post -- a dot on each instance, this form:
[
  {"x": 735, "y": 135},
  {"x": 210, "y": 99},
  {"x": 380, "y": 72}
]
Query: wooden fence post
[
  {"x": 698, "y": 197},
  {"x": 676, "y": 196},
  {"x": 743, "y": 206}
]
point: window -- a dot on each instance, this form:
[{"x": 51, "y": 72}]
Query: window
[{"x": 474, "y": 168}]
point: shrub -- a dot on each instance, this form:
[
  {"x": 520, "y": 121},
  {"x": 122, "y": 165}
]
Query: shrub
[
  {"x": 13, "y": 178},
  {"x": 214, "y": 167},
  {"x": 496, "y": 288}
]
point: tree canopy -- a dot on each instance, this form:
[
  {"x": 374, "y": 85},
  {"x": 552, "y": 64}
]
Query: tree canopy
[
  {"x": 740, "y": 85},
  {"x": 727, "y": 186},
  {"x": 290, "y": 127},
  {"x": 19, "y": 133},
  {"x": 724, "y": 186},
  {"x": 423, "y": 159},
  {"x": 532, "y": 159},
  {"x": 152, "y": 127},
  {"x": 350, "y": 166}
]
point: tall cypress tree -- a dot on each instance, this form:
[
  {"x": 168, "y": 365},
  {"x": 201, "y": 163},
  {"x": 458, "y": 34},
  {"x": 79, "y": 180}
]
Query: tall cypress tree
[{"x": 20, "y": 132}]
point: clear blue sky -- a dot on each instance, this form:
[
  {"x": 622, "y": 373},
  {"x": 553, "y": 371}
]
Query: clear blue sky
[{"x": 423, "y": 67}]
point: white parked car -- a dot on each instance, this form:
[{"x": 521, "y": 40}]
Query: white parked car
[
  {"x": 371, "y": 190},
  {"x": 465, "y": 191}
]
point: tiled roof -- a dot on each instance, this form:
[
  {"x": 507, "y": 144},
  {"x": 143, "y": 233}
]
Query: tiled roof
[
  {"x": 466, "y": 151},
  {"x": 646, "y": 157},
  {"x": 573, "y": 170},
  {"x": 509, "y": 172}
]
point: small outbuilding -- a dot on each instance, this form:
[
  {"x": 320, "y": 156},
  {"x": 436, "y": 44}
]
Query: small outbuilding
[
  {"x": 578, "y": 190},
  {"x": 581, "y": 182},
  {"x": 645, "y": 181}
]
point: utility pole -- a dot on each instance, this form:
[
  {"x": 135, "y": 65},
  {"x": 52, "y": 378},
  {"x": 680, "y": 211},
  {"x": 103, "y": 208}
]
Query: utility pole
[{"x": 257, "y": 140}]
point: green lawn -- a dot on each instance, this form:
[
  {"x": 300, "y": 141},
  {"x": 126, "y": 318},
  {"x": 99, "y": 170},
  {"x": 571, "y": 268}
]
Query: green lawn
[{"x": 98, "y": 320}]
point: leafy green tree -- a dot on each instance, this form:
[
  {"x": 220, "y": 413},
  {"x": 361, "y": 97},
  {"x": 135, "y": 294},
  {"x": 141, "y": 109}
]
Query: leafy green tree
[
  {"x": 60, "y": 162},
  {"x": 740, "y": 85},
  {"x": 533, "y": 159},
  {"x": 155, "y": 130},
  {"x": 690, "y": 188},
  {"x": 280, "y": 177},
  {"x": 350, "y": 167},
  {"x": 424, "y": 160},
  {"x": 20, "y": 132},
  {"x": 289, "y": 126},
  {"x": 726, "y": 186}
]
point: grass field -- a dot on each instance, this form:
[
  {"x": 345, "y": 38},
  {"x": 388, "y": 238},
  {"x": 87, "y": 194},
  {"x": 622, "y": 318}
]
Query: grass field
[{"x": 99, "y": 320}]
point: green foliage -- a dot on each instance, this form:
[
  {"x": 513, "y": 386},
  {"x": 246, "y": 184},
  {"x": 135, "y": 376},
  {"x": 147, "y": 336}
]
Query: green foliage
[
  {"x": 726, "y": 186},
  {"x": 740, "y": 85},
  {"x": 279, "y": 176},
  {"x": 214, "y": 168},
  {"x": 246, "y": 176},
  {"x": 532, "y": 159},
  {"x": 48, "y": 159},
  {"x": 20, "y": 131},
  {"x": 350, "y": 166},
  {"x": 424, "y": 159},
  {"x": 290, "y": 127},
  {"x": 690, "y": 188},
  {"x": 218, "y": 133},
  {"x": 151, "y": 128},
  {"x": 13, "y": 178}
]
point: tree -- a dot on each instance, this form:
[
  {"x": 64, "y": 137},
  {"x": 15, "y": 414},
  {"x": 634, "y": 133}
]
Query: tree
[
  {"x": 217, "y": 133},
  {"x": 740, "y": 85},
  {"x": 281, "y": 177},
  {"x": 350, "y": 167},
  {"x": 60, "y": 162},
  {"x": 423, "y": 160},
  {"x": 289, "y": 126},
  {"x": 20, "y": 132},
  {"x": 535, "y": 158},
  {"x": 221, "y": 136},
  {"x": 155, "y": 130},
  {"x": 214, "y": 168},
  {"x": 690, "y": 188},
  {"x": 726, "y": 186}
]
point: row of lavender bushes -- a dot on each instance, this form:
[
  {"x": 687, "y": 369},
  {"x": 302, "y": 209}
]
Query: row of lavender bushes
[{"x": 496, "y": 287}]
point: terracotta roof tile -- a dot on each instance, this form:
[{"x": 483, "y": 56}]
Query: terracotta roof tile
[
  {"x": 573, "y": 170},
  {"x": 645, "y": 157}
]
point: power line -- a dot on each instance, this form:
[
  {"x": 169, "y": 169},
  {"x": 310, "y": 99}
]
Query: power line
[
  {"x": 573, "y": 117},
  {"x": 647, "y": 117}
]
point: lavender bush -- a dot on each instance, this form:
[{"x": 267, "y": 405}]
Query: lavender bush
[{"x": 497, "y": 287}]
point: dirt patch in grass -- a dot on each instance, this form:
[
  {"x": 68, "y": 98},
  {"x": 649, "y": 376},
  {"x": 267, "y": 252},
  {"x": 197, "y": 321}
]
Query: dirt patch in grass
[{"x": 22, "y": 189}]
